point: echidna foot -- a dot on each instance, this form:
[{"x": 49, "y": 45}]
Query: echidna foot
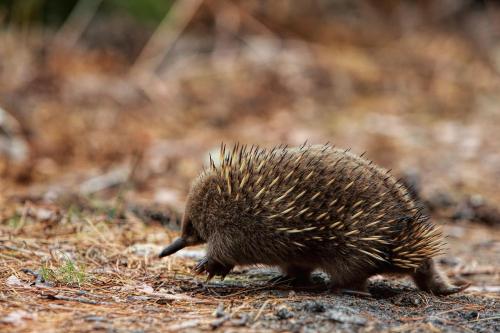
[
  {"x": 444, "y": 289},
  {"x": 355, "y": 287},
  {"x": 281, "y": 279},
  {"x": 360, "y": 286},
  {"x": 294, "y": 275},
  {"x": 428, "y": 278},
  {"x": 212, "y": 268},
  {"x": 450, "y": 289}
]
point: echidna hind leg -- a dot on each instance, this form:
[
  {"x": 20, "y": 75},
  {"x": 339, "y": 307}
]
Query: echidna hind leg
[
  {"x": 354, "y": 281},
  {"x": 428, "y": 278},
  {"x": 295, "y": 275},
  {"x": 360, "y": 285}
]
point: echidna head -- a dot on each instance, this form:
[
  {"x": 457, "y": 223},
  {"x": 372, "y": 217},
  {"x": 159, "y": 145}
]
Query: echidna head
[
  {"x": 189, "y": 237},
  {"x": 194, "y": 221}
]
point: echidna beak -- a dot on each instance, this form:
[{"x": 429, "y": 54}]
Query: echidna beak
[{"x": 176, "y": 245}]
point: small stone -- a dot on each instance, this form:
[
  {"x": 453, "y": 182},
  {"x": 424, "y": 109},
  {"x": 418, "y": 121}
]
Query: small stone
[
  {"x": 435, "y": 320},
  {"x": 219, "y": 312},
  {"x": 44, "y": 214},
  {"x": 284, "y": 313},
  {"x": 218, "y": 322},
  {"x": 472, "y": 315},
  {"x": 476, "y": 200},
  {"x": 314, "y": 306},
  {"x": 413, "y": 182},
  {"x": 450, "y": 261},
  {"x": 13, "y": 145},
  {"x": 94, "y": 318},
  {"x": 17, "y": 318},
  {"x": 406, "y": 299},
  {"x": 464, "y": 213},
  {"x": 279, "y": 293},
  {"x": 145, "y": 288},
  {"x": 144, "y": 250},
  {"x": 138, "y": 298},
  {"x": 14, "y": 281},
  {"x": 440, "y": 200},
  {"x": 242, "y": 321},
  {"x": 343, "y": 317}
]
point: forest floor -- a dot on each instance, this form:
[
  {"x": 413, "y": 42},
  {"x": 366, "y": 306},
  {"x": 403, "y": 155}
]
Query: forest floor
[{"x": 74, "y": 271}]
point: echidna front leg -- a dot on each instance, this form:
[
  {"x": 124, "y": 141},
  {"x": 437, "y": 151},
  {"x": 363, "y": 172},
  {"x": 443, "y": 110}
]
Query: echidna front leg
[
  {"x": 428, "y": 278},
  {"x": 212, "y": 267},
  {"x": 301, "y": 275}
]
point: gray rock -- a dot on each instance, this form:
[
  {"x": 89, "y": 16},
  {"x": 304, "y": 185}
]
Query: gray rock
[
  {"x": 345, "y": 315},
  {"x": 283, "y": 313}
]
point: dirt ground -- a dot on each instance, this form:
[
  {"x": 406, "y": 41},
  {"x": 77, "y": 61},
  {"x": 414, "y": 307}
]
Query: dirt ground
[{"x": 97, "y": 154}]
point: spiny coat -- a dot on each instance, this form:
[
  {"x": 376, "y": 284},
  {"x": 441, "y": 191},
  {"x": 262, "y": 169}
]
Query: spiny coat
[{"x": 307, "y": 208}]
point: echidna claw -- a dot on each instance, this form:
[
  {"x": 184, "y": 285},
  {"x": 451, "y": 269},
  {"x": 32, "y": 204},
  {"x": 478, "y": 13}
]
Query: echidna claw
[
  {"x": 212, "y": 268},
  {"x": 201, "y": 266},
  {"x": 452, "y": 289},
  {"x": 281, "y": 279}
]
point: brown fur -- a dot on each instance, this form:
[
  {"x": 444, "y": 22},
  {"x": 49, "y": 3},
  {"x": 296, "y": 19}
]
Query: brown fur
[{"x": 308, "y": 208}]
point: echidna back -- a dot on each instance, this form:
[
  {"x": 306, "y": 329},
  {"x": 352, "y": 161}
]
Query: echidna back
[{"x": 314, "y": 202}]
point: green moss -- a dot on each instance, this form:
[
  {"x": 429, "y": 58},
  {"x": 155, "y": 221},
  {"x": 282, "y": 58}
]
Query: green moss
[
  {"x": 74, "y": 213},
  {"x": 144, "y": 11},
  {"x": 47, "y": 273},
  {"x": 68, "y": 273},
  {"x": 14, "y": 221},
  {"x": 55, "y": 12}
]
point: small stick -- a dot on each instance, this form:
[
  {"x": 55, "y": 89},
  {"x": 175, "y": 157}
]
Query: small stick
[
  {"x": 75, "y": 299},
  {"x": 487, "y": 318},
  {"x": 260, "y": 310}
]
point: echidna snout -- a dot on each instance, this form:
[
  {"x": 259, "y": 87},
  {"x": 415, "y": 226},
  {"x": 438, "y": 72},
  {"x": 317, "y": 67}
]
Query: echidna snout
[
  {"x": 189, "y": 237},
  {"x": 176, "y": 245},
  {"x": 307, "y": 208}
]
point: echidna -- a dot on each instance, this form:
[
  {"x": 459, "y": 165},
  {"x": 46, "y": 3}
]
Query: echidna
[{"x": 307, "y": 208}]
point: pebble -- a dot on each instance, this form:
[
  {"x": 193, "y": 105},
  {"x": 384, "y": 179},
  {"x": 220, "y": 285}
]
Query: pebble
[
  {"x": 284, "y": 313},
  {"x": 314, "y": 306},
  {"x": 344, "y": 317},
  {"x": 219, "y": 312},
  {"x": 242, "y": 321},
  {"x": 94, "y": 318}
]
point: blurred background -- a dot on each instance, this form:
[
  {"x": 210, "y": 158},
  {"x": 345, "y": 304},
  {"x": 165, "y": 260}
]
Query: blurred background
[{"x": 107, "y": 97}]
